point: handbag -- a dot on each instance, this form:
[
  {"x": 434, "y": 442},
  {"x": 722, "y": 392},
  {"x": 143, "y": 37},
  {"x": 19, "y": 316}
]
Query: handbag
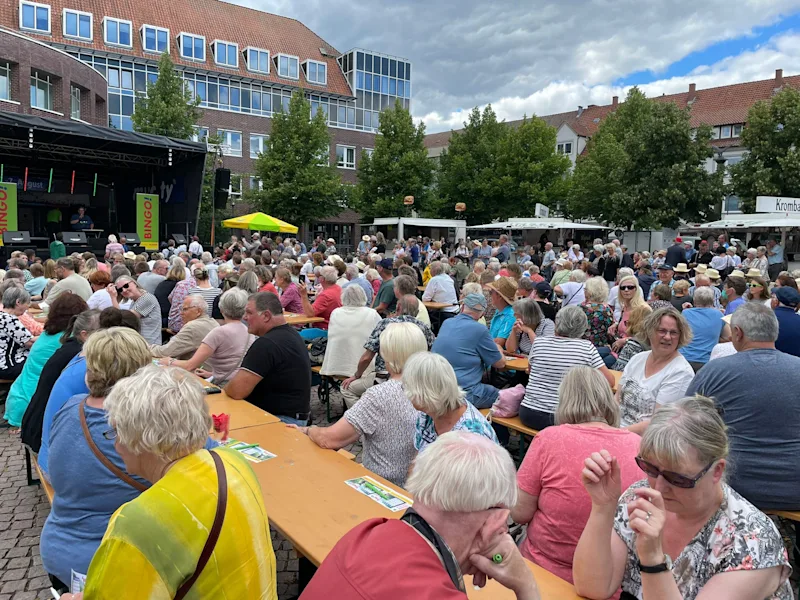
[
  {"x": 508, "y": 402},
  {"x": 316, "y": 352}
]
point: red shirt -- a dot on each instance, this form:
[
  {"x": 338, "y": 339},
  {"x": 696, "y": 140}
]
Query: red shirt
[
  {"x": 551, "y": 470},
  {"x": 268, "y": 287},
  {"x": 327, "y": 301},
  {"x": 382, "y": 559}
]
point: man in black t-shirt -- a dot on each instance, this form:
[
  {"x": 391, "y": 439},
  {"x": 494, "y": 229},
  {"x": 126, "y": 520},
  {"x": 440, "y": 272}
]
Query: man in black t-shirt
[{"x": 276, "y": 372}]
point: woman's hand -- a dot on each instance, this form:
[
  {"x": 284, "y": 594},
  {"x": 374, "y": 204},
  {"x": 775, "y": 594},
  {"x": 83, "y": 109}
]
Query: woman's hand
[
  {"x": 647, "y": 516},
  {"x": 112, "y": 291},
  {"x": 203, "y": 373},
  {"x": 619, "y": 344},
  {"x": 613, "y": 329},
  {"x": 78, "y": 596},
  {"x": 601, "y": 478},
  {"x": 346, "y": 383}
]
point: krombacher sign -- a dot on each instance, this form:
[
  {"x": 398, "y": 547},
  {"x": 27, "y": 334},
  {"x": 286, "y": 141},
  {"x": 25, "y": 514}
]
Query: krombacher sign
[{"x": 778, "y": 205}]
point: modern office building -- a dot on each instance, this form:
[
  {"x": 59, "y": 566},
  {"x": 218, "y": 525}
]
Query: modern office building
[{"x": 242, "y": 63}]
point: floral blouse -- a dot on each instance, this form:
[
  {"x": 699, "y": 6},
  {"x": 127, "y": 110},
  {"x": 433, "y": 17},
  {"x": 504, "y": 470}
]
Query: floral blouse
[
  {"x": 739, "y": 537},
  {"x": 601, "y": 317}
]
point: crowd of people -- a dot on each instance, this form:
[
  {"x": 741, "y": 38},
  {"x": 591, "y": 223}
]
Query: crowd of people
[{"x": 627, "y": 480}]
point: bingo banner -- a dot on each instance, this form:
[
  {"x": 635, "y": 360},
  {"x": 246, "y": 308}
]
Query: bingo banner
[
  {"x": 8, "y": 208},
  {"x": 147, "y": 220}
]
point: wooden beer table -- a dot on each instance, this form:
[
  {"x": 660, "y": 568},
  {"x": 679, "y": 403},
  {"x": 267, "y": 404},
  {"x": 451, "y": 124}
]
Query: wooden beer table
[
  {"x": 298, "y": 319},
  {"x": 242, "y": 413}
]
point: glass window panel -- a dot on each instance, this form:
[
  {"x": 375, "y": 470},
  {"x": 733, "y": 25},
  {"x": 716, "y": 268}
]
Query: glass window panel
[
  {"x": 359, "y": 118},
  {"x": 115, "y": 121},
  {"x": 112, "y": 32},
  {"x": 401, "y": 87},
  {"x": 367, "y": 119},
  {"x": 256, "y": 101},
  {"x": 223, "y": 95},
  {"x": 384, "y": 84},
  {"x": 408, "y": 71},
  {"x": 293, "y": 68},
  {"x": 322, "y": 71},
  {"x": 232, "y": 58},
  {"x": 342, "y": 115},
  {"x": 312, "y": 71},
  {"x": 201, "y": 90},
  {"x": 127, "y": 105},
  {"x": 285, "y": 103},
  {"x": 213, "y": 93},
  {"x": 113, "y": 77},
  {"x": 140, "y": 81},
  {"x": 199, "y": 49},
  {"x": 359, "y": 60},
  {"x": 28, "y": 16},
  {"x": 384, "y": 66},
  {"x": 149, "y": 38},
  {"x": 376, "y": 120},
  {"x": 72, "y": 24},
  {"x": 127, "y": 80},
  {"x": 85, "y": 26},
  {"x": 162, "y": 41},
  {"x": 368, "y": 63},
  {"x": 263, "y": 61},
  {"x": 283, "y": 65},
  {"x": 245, "y": 100},
  {"x": 392, "y": 68},
  {"x": 393, "y": 87},
  {"x": 360, "y": 80},
  {"x": 124, "y": 34},
  {"x": 408, "y": 89},
  {"x": 367, "y": 81},
  {"x": 401, "y": 70},
  {"x": 42, "y": 18},
  {"x": 384, "y": 102},
  {"x": 235, "y": 97},
  {"x": 351, "y": 116}
]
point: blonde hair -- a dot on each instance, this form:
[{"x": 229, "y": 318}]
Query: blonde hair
[
  {"x": 161, "y": 411},
  {"x": 682, "y": 285},
  {"x": 652, "y": 322},
  {"x": 636, "y": 321},
  {"x": 638, "y": 296},
  {"x": 112, "y": 354},
  {"x": 431, "y": 385},
  {"x": 584, "y": 396},
  {"x": 398, "y": 342},
  {"x": 691, "y": 423},
  {"x": 596, "y": 290}
]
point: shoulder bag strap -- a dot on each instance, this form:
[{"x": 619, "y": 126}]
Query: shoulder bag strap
[
  {"x": 102, "y": 457},
  {"x": 213, "y": 535}
]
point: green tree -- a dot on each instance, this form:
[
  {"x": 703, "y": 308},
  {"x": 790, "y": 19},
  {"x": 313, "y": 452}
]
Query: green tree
[
  {"x": 645, "y": 168},
  {"x": 772, "y": 166},
  {"x": 398, "y": 167},
  {"x": 299, "y": 184},
  {"x": 168, "y": 108}
]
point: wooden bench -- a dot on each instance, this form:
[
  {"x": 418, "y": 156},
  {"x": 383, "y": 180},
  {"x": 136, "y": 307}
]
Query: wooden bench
[
  {"x": 324, "y": 389},
  {"x": 32, "y": 464},
  {"x": 48, "y": 489},
  {"x": 514, "y": 424}
]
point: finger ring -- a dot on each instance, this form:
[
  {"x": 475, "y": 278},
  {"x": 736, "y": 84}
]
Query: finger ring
[
  {"x": 649, "y": 514},
  {"x": 497, "y": 559}
]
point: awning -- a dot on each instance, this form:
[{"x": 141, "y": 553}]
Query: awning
[
  {"x": 537, "y": 224},
  {"x": 418, "y": 222},
  {"x": 259, "y": 222},
  {"x": 749, "y": 221}
]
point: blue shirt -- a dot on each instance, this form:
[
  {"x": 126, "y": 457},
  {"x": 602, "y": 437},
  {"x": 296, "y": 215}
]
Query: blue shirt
[
  {"x": 502, "y": 322},
  {"x": 364, "y": 285},
  {"x": 71, "y": 382},
  {"x": 788, "y": 331},
  {"x": 777, "y": 258},
  {"x": 468, "y": 347},
  {"x": 414, "y": 252},
  {"x": 733, "y": 305},
  {"x": 35, "y": 286},
  {"x": 84, "y": 222},
  {"x": 706, "y": 325}
]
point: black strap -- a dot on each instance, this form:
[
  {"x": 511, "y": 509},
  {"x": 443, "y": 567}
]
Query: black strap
[
  {"x": 425, "y": 530},
  {"x": 213, "y": 535}
]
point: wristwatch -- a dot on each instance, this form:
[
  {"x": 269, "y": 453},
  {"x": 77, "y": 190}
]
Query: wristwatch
[{"x": 664, "y": 566}]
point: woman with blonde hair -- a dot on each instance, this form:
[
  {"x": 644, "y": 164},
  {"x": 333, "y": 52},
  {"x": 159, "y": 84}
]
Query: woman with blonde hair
[
  {"x": 176, "y": 273},
  {"x": 551, "y": 498},
  {"x": 635, "y": 341},
  {"x": 600, "y": 317},
  {"x": 723, "y": 546}
]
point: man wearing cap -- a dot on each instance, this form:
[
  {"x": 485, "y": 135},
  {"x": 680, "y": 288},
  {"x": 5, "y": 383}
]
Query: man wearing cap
[
  {"x": 363, "y": 245},
  {"x": 331, "y": 246},
  {"x": 503, "y": 291},
  {"x": 709, "y": 278},
  {"x": 676, "y": 253},
  {"x": 665, "y": 273},
  {"x": 785, "y": 301},
  {"x": 385, "y": 300},
  {"x": 469, "y": 348},
  {"x": 354, "y": 278}
]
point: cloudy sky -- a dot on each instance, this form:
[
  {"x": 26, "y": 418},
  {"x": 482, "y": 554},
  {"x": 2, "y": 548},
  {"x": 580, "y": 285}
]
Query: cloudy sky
[{"x": 537, "y": 57}]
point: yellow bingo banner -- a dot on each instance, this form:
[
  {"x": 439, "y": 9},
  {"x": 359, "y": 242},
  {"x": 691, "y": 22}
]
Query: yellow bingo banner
[
  {"x": 8, "y": 208},
  {"x": 147, "y": 220}
]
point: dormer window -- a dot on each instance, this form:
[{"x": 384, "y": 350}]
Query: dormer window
[
  {"x": 226, "y": 53},
  {"x": 257, "y": 60},
  {"x": 316, "y": 72},
  {"x": 288, "y": 66}
]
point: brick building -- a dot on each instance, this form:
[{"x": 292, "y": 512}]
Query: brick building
[{"x": 243, "y": 64}]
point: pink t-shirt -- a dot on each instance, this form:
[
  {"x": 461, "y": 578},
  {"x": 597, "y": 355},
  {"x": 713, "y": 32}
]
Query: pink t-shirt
[
  {"x": 551, "y": 470},
  {"x": 327, "y": 301},
  {"x": 290, "y": 299}
]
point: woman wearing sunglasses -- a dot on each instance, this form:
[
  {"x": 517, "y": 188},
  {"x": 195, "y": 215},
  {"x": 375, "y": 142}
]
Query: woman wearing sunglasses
[
  {"x": 145, "y": 306},
  {"x": 758, "y": 291},
  {"x": 629, "y": 297},
  {"x": 681, "y": 533}
]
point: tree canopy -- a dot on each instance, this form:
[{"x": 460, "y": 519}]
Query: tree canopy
[
  {"x": 299, "y": 184},
  {"x": 168, "y": 108},
  {"x": 398, "y": 167},
  {"x": 645, "y": 168},
  {"x": 772, "y": 165}
]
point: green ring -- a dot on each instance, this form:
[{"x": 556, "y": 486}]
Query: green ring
[{"x": 497, "y": 558}]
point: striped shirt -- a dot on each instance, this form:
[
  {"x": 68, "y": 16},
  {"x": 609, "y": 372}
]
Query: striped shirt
[
  {"x": 550, "y": 359},
  {"x": 208, "y": 295}
]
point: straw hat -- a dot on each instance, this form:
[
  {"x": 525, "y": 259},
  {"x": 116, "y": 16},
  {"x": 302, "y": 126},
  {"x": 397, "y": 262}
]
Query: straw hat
[
  {"x": 365, "y": 238},
  {"x": 700, "y": 269},
  {"x": 753, "y": 272},
  {"x": 506, "y": 287},
  {"x": 736, "y": 273},
  {"x": 129, "y": 255},
  {"x": 360, "y": 265},
  {"x": 712, "y": 274},
  {"x": 681, "y": 268}
]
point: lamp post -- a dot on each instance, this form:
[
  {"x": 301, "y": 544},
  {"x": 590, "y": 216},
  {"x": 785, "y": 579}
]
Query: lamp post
[{"x": 720, "y": 159}]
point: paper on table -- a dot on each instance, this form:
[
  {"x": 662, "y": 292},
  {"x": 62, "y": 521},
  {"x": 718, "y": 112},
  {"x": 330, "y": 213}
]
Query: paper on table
[
  {"x": 381, "y": 494},
  {"x": 253, "y": 453}
]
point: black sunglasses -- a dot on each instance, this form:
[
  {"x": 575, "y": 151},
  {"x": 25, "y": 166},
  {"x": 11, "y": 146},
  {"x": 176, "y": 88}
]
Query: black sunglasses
[
  {"x": 123, "y": 287},
  {"x": 627, "y": 288},
  {"x": 675, "y": 479}
]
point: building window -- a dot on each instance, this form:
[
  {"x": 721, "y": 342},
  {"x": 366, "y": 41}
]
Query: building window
[
  {"x": 231, "y": 142},
  {"x": 737, "y": 130},
  {"x": 565, "y": 148},
  {"x": 346, "y": 157},
  {"x": 77, "y": 24},
  {"x": 256, "y": 183},
  {"x": 5, "y": 81},
  {"x": 155, "y": 39},
  {"x": 41, "y": 91},
  {"x": 200, "y": 134},
  {"x": 226, "y": 53},
  {"x": 75, "y": 102},
  {"x": 118, "y": 32},
  {"x": 258, "y": 144},
  {"x": 257, "y": 60},
  {"x": 316, "y": 72},
  {"x": 235, "y": 188},
  {"x": 34, "y": 16},
  {"x": 725, "y": 132},
  {"x": 192, "y": 46},
  {"x": 288, "y": 66}
]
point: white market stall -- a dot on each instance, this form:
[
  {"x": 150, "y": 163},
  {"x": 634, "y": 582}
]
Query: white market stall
[{"x": 403, "y": 227}]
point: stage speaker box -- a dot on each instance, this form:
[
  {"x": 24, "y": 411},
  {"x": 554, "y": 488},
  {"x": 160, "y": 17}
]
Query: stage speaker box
[
  {"x": 179, "y": 238},
  {"x": 16, "y": 238},
  {"x": 222, "y": 182},
  {"x": 132, "y": 239},
  {"x": 73, "y": 238}
]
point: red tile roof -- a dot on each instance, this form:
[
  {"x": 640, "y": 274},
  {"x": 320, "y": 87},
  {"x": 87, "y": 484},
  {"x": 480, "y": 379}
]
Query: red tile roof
[
  {"x": 725, "y": 105},
  {"x": 214, "y": 19}
]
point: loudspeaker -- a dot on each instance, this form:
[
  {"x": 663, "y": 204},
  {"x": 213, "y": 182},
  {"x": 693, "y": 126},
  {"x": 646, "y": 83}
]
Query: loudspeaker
[
  {"x": 76, "y": 238},
  {"x": 179, "y": 238},
  {"x": 16, "y": 238},
  {"x": 222, "y": 182},
  {"x": 130, "y": 238}
]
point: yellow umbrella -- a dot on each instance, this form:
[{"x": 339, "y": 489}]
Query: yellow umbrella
[{"x": 259, "y": 222}]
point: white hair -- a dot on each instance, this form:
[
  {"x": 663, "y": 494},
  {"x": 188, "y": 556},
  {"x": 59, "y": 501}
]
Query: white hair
[
  {"x": 206, "y": 257},
  {"x": 431, "y": 385},
  {"x": 596, "y": 290},
  {"x": 159, "y": 410},
  {"x": 233, "y": 303},
  {"x": 197, "y": 301},
  {"x": 178, "y": 260},
  {"x": 398, "y": 342},
  {"x": 463, "y": 472},
  {"x": 624, "y": 272},
  {"x": 112, "y": 239},
  {"x": 329, "y": 274},
  {"x": 578, "y": 276},
  {"x": 353, "y": 295},
  {"x": 598, "y": 248},
  {"x": 436, "y": 268},
  {"x": 703, "y": 297},
  {"x": 471, "y": 288}
]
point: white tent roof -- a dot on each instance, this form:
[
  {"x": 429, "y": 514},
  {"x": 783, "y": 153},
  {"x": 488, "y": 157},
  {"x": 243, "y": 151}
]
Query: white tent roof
[
  {"x": 451, "y": 223},
  {"x": 750, "y": 221},
  {"x": 535, "y": 223}
]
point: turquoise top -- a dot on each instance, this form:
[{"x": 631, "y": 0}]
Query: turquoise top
[{"x": 25, "y": 385}]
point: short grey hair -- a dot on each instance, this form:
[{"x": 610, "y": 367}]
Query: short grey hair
[
  {"x": 463, "y": 472},
  {"x": 571, "y": 322},
  {"x": 598, "y": 248},
  {"x": 585, "y": 396},
  {"x": 578, "y": 276},
  {"x": 596, "y": 290},
  {"x": 436, "y": 268},
  {"x": 127, "y": 279},
  {"x": 703, "y": 297},
  {"x": 329, "y": 274},
  {"x": 352, "y": 272},
  {"x": 206, "y": 257},
  {"x": 233, "y": 303},
  {"x": 471, "y": 288},
  {"x": 624, "y": 272},
  {"x": 479, "y": 266},
  {"x": 431, "y": 385},
  {"x": 533, "y": 270},
  {"x": 408, "y": 305},
  {"x": 197, "y": 301},
  {"x": 757, "y": 322},
  {"x": 690, "y": 423},
  {"x": 161, "y": 411},
  {"x": 353, "y": 295},
  {"x": 15, "y": 295},
  {"x": 248, "y": 281},
  {"x": 398, "y": 342},
  {"x": 529, "y": 312}
]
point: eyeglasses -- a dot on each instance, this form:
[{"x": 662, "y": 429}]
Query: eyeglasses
[
  {"x": 110, "y": 434},
  {"x": 754, "y": 284},
  {"x": 674, "y": 479},
  {"x": 627, "y": 288},
  {"x": 124, "y": 287},
  {"x": 668, "y": 332}
]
